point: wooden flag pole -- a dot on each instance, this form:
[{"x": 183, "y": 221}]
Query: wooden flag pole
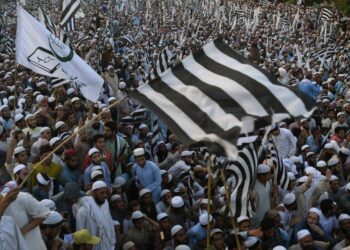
[
  {"x": 70, "y": 137},
  {"x": 210, "y": 163}
]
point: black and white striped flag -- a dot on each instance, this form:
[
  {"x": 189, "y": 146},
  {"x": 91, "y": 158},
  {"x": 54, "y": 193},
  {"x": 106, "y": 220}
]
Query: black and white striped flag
[
  {"x": 264, "y": 3},
  {"x": 216, "y": 94},
  {"x": 326, "y": 14},
  {"x": 45, "y": 19},
  {"x": 155, "y": 133},
  {"x": 163, "y": 63},
  {"x": 127, "y": 39},
  {"x": 244, "y": 170},
  {"x": 69, "y": 8},
  {"x": 281, "y": 174}
]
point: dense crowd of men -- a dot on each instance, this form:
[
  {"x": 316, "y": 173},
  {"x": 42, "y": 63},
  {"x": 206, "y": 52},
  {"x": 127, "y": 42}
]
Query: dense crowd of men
[{"x": 108, "y": 188}]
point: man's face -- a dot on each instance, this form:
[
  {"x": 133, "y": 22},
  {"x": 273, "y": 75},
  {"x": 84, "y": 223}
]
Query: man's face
[
  {"x": 218, "y": 241},
  {"x": 100, "y": 143},
  {"x": 244, "y": 226},
  {"x": 73, "y": 162},
  {"x": 96, "y": 158},
  {"x": 165, "y": 224},
  {"x": 47, "y": 161},
  {"x": 101, "y": 195},
  {"x": 108, "y": 132},
  {"x": 141, "y": 160},
  {"x": 147, "y": 199},
  {"x": 46, "y": 135},
  {"x": 5, "y": 113},
  {"x": 32, "y": 122},
  {"x": 181, "y": 237},
  {"x": 312, "y": 219},
  {"x": 305, "y": 242},
  {"x": 334, "y": 185}
]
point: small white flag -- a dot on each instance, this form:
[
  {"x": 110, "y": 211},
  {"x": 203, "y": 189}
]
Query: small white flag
[{"x": 42, "y": 52}]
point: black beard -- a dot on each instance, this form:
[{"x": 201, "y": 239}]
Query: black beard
[{"x": 100, "y": 203}]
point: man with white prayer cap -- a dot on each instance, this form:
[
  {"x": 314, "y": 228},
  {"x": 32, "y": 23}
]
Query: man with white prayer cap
[
  {"x": 50, "y": 230},
  {"x": 344, "y": 234},
  {"x": 147, "y": 174},
  {"x": 262, "y": 191},
  {"x": 179, "y": 235},
  {"x": 198, "y": 232},
  {"x": 94, "y": 215},
  {"x": 305, "y": 241}
]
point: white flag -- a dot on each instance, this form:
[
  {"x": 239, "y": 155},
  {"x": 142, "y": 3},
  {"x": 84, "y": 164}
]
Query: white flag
[{"x": 42, "y": 52}]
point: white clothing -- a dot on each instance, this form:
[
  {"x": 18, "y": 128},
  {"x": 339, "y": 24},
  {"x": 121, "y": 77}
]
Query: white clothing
[
  {"x": 328, "y": 224},
  {"x": 262, "y": 200},
  {"x": 98, "y": 220},
  {"x": 285, "y": 143},
  {"x": 177, "y": 168},
  {"x": 11, "y": 237},
  {"x": 24, "y": 209}
]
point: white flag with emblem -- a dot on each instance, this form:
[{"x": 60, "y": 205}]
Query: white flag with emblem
[{"x": 42, "y": 52}]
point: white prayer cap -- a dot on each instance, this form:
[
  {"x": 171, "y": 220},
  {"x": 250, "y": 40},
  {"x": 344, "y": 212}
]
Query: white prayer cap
[
  {"x": 343, "y": 217},
  {"x": 304, "y": 147},
  {"x": 162, "y": 172},
  {"x": 74, "y": 99},
  {"x": 18, "y": 168},
  {"x": 116, "y": 223},
  {"x": 164, "y": 192},
  {"x": 205, "y": 202},
  {"x": 137, "y": 215},
  {"x": 347, "y": 187},
  {"x": 93, "y": 151},
  {"x": 177, "y": 202},
  {"x": 242, "y": 218},
  {"x": 43, "y": 180},
  {"x": 70, "y": 91},
  {"x": 44, "y": 129},
  {"x": 333, "y": 161},
  {"x": 29, "y": 116},
  {"x": 39, "y": 98},
  {"x": 296, "y": 159},
  {"x": 19, "y": 150},
  {"x": 321, "y": 164},
  {"x": 303, "y": 233},
  {"x": 51, "y": 99},
  {"x": 19, "y": 117},
  {"x": 142, "y": 126},
  {"x": 42, "y": 83},
  {"x": 115, "y": 197},
  {"x": 53, "y": 219},
  {"x": 291, "y": 176},
  {"x": 106, "y": 110},
  {"x": 186, "y": 153},
  {"x": 98, "y": 185},
  {"x": 2, "y": 107},
  {"x": 182, "y": 247},
  {"x": 54, "y": 140},
  {"x": 316, "y": 211},
  {"x": 333, "y": 178},
  {"x": 263, "y": 169},
  {"x": 175, "y": 229},
  {"x": 289, "y": 199},
  {"x": 309, "y": 154},
  {"x": 302, "y": 179},
  {"x": 250, "y": 241},
  {"x": 128, "y": 245},
  {"x": 122, "y": 85},
  {"x": 111, "y": 99},
  {"x": 222, "y": 191},
  {"x": 143, "y": 192},
  {"x": 110, "y": 67},
  {"x": 118, "y": 182},
  {"x": 50, "y": 204},
  {"x": 328, "y": 146},
  {"x": 215, "y": 231},
  {"x": 161, "y": 216},
  {"x": 95, "y": 173},
  {"x": 279, "y": 248},
  {"x": 59, "y": 124},
  {"x": 310, "y": 170},
  {"x": 340, "y": 113},
  {"x": 303, "y": 120},
  {"x": 203, "y": 219},
  {"x": 28, "y": 89},
  {"x": 139, "y": 152}
]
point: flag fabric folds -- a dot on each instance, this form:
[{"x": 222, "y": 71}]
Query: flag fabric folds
[
  {"x": 69, "y": 9},
  {"x": 215, "y": 94},
  {"x": 244, "y": 171},
  {"x": 40, "y": 51},
  {"x": 326, "y": 14},
  {"x": 281, "y": 174}
]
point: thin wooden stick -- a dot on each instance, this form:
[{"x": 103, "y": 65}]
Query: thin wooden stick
[
  {"x": 228, "y": 202},
  {"x": 210, "y": 163},
  {"x": 70, "y": 137}
]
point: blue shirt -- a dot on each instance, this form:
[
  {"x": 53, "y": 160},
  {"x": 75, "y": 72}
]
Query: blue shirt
[
  {"x": 195, "y": 234},
  {"x": 69, "y": 175},
  {"x": 149, "y": 177},
  {"x": 309, "y": 88},
  {"x": 106, "y": 175}
]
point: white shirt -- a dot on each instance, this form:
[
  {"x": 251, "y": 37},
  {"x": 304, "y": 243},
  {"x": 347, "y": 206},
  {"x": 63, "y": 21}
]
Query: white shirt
[
  {"x": 11, "y": 237},
  {"x": 24, "y": 209},
  {"x": 285, "y": 142},
  {"x": 328, "y": 224}
]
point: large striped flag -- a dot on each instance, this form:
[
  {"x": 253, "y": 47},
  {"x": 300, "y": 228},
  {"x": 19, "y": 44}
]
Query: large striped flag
[
  {"x": 281, "y": 174},
  {"x": 69, "y": 9},
  {"x": 326, "y": 14},
  {"x": 215, "y": 94},
  {"x": 244, "y": 171}
]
